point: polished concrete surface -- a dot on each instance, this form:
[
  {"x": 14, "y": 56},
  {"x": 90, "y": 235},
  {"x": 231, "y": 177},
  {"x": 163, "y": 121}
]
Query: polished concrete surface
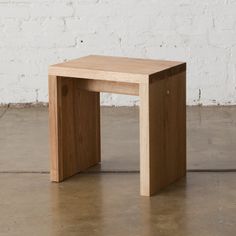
[
  {"x": 109, "y": 204},
  {"x": 211, "y": 138}
]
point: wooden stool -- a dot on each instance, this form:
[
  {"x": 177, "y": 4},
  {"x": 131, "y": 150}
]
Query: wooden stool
[{"x": 74, "y": 114}]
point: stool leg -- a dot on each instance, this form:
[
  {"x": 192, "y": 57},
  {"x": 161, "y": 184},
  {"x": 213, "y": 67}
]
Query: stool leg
[
  {"x": 162, "y": 133},
  {"x": 74, "y": 120}
]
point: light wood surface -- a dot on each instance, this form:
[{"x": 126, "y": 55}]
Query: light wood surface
[
  {"x": 108, "y": 86},
  {"x": 74, "y": 112},
  {"x": 144, "y": 130},
  {"x": 54, "y": 129},
  {"x": 162, "y": 133},
  {"x": 74, "y": 129},
  {"x": 119, "y": 69}
]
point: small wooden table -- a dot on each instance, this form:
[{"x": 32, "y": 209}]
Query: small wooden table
[{"x": 74, "y": 114}]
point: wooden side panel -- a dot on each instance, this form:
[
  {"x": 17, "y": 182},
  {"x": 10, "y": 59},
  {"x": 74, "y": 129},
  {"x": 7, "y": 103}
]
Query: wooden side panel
[
  {"x": 74, "y": 128},
  {"x": 167, "y": 127},
  {"x": 53, "y": 128},
  {"x": 144, "y": 140},
  {"x": 87, "y": 128},
  {"x": 157, "y": 126}
]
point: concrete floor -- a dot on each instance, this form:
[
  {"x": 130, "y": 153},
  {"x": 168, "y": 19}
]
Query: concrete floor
[{"x": 109, "y": 204}]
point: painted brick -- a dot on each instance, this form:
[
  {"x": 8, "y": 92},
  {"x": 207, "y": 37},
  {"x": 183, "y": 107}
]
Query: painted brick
[
  {"x": 13, "y": 11},
  {"x": 36, "y": 33}
]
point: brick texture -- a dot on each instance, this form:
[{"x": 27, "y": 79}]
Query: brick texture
[{"x": 36, "y": 33}]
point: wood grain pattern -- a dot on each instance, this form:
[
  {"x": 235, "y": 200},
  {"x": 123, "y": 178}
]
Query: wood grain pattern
[
  {"x": 53, "y": 129},
  {"x": 74, "y": 115},
  {"x": 144, "y": 140},
  {"x": 119, "y": 69},
  {"x": 167, "y": 127},
  {"x": 108, "y": 86},
  {"x": 74, "y": 130}
]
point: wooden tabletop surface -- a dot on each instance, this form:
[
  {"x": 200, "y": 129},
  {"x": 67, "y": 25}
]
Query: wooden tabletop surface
[{"x": 117, "y": 68}]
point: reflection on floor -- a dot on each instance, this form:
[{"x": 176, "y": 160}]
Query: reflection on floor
[{"x": 109, "y": 204}]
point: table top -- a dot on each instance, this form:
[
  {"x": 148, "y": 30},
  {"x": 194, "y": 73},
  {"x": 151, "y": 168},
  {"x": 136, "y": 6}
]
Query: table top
[{"x": 115, "y": 68}]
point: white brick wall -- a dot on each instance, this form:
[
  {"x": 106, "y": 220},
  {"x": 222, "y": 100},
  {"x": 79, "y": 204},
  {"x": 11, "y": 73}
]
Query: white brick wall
[{"x": 36, "y": 33}]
